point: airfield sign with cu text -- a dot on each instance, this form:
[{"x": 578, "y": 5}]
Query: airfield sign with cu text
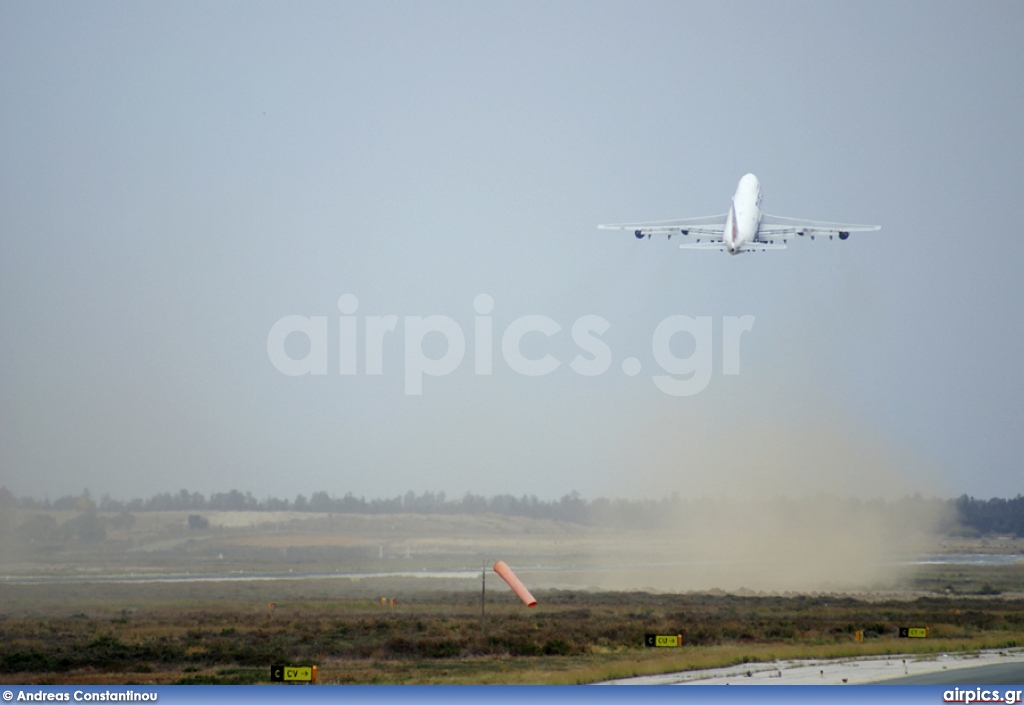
[{"x": 663, "y": 640}]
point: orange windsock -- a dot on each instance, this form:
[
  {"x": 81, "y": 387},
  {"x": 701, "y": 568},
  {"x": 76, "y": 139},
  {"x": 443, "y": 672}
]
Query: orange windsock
[{"x": 515, "y": 583}]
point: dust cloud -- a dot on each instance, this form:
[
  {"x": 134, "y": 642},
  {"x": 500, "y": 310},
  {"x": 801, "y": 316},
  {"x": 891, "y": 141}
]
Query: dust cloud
[{"x": 777, "y": 507}]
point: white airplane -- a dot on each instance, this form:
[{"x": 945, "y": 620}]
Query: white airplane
[{"x": 744, "y": 228}]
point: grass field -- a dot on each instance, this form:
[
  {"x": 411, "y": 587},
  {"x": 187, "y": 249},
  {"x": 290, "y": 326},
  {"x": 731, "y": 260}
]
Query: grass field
[
  {"x": 157, "y": 633},
  {"x": 64, "y": 620}
]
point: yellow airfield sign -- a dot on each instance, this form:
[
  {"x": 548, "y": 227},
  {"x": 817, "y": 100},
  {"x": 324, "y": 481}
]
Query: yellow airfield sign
[
  {"x": 293, "y": 674},
  {"x": 914, "y": 632},
  {"x": 663, "y": 640}
]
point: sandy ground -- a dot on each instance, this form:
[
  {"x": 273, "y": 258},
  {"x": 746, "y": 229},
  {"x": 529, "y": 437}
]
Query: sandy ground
[{"x": 810, "y": 672}]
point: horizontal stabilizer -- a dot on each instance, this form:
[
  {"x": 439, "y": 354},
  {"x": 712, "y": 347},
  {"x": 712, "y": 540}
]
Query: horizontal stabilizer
[{"x": 721, "y": 246}]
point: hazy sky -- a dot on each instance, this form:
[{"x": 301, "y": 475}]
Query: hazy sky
[{"x": 177, "y": 178}]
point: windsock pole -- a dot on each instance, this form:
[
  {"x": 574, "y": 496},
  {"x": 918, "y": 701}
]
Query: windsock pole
[{"x": 515, "y": 583}]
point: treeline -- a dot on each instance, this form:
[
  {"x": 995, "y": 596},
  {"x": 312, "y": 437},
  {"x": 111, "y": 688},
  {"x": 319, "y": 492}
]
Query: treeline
[
  {"x": 992, "y": 516},
  {"x": 571, "y": 507},
  {"x": 967, "y": 515}
]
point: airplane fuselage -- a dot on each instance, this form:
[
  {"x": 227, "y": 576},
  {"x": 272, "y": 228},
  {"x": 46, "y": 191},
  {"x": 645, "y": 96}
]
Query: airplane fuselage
[{"x": 744, "y": 215}]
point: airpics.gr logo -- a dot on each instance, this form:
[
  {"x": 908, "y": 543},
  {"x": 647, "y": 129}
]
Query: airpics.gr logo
[
  {"x": 684, "y": 376},
  {"x": 979, "y": 695}
]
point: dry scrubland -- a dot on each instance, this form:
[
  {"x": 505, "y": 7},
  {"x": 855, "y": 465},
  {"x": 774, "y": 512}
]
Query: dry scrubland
[{"x": 63, "y": 622}]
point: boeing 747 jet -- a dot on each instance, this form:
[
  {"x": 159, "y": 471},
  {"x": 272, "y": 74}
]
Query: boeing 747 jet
[{"x": 744, "y": 228}]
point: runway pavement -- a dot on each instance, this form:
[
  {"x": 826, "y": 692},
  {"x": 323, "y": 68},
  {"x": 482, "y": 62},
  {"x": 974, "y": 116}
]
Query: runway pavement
[
  {"x": 1005, "y": 667},
  {"x": 1008, "y": 673}
]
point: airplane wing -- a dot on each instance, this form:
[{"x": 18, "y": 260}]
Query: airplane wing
[
  {"x": 704, "y": 225},
  {"x": 774, "y": 227}
]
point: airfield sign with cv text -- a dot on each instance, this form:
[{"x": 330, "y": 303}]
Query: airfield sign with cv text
[{"x": 293, "y": 674}]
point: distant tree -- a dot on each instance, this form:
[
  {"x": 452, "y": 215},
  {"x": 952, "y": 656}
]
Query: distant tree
[
  {"x": 233, "y": 501},
  {"x": 350, "y": 504},
  {"x": 86, "y": 527},
  {"x": 30, "y": 503},
  {"x": 65, "y": 503},
  {"x": 163, "y": 502},
  {"x": 186, "y": 500},
  {"x": 122, "y": 521},
  {"x": 573, "y": 508},
  {"x": 84, "y": 502},
  {"x": 387, "y": 506},
  {"x": 276, "y": 505},
  {"x": 472, "y": 504},
  {"x": 39, "y": 528},
  {"x": 107, "y": 504},
  {"x": 321, "y": 502}
]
